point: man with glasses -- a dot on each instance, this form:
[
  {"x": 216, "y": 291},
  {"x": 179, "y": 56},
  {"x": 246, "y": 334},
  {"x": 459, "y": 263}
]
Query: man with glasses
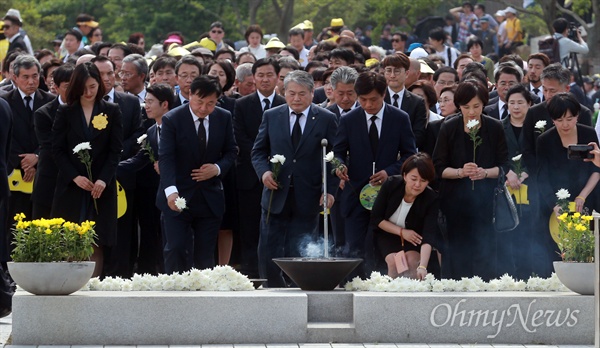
[
  {"x": 116, "y": 53},
  {"x": 443, "y": 77},
  {"x": 11, "y": 27},
  {"x": 217, "y": 33},
  {"x": 395, "y": 68},
  {"x": 186, "y": 70},
  {"x": 399, "y": 42},
  {"x": 507, "y": 76}
]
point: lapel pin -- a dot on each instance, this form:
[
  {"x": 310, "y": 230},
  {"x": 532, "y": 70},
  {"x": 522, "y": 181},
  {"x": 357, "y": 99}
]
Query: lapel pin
[{"x": 313, "y": 117}]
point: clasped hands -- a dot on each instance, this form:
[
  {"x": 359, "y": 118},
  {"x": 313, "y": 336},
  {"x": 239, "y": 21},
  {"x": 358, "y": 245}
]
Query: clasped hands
[
  {"x": 28, "y": 163},
  {"x": 513, "y": 181},
  {"x": 205, "y": 172},
  {"x": 473, "y": 172},
  {"x": 95, "y": 188}
]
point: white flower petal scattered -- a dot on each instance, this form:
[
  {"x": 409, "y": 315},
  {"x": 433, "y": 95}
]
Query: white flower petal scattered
[
  {"x": 142, "y": 138},
  {"x": 180, "y": 203},
  {"x": 220, "y": 278},
  {"x": 82, "y": 146},
  {"x": 472, "y": 123},
  {"x": 517, "y": 158},
  {"x": 278, "y": 159},
  {"x": 563, "y": 194},
  {"x": 381, "y": 283},
  {"x": 540, "y": 124},
  {"x": 329, "y": 157}
]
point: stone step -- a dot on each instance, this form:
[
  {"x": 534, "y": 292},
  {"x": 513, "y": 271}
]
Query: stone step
[
  {"x": 330, "y": 332},
  {"x": 330, "y": 307}
]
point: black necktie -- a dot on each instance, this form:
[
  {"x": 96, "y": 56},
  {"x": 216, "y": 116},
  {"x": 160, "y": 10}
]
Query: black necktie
[
  {"x": 504, "y": 112},
  {"x": 202, "y": 136},
  {"x": 374, "y": 136},
  {"x": 106, "y": 97},
  {"x": 186, "y": 101},
  {"x": 28, "y": 103},
  {"x": 395, "y": 100},
  {"x": 536, "y": 91},
  {"x": 297, "y": 130},
  {"x": 158, "y": 132},
  {"x": 267, "y": 104}
]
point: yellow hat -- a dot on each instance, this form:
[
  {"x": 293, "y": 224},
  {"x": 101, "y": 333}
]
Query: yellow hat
[
  {"x": 91, "y": 24},
  {"x": 337, "y": 22},
  {"x": 370, "y": 62},
  {"x": 425, "y": 68},
  {"x": 307, "y": 25},
  {"x": 208, "y": 43},
  {"x": 177, "y": 51},
  {"x": 191, "y": 45},
  {"x": 298, "y": 26},
  {"x": 274, "y": 43}
]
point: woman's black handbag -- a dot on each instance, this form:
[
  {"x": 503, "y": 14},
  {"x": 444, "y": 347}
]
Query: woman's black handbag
[{"x": 505, "y": 215}]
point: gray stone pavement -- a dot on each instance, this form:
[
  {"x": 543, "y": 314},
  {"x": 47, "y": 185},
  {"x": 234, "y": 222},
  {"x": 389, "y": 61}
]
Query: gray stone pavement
[{"x": 6, "y": 328}]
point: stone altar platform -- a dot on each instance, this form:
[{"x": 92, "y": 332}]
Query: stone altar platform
[{"x": 294, "y": 316}]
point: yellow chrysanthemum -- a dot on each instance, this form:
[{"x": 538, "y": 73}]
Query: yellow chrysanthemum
[
  {"x": 48, "y": 231},
  {"x": 563, "y": 216},
  {"x": 576, "y": 215}
]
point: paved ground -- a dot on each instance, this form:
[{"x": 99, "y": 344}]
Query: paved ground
[{"x": 6, "y": 327}]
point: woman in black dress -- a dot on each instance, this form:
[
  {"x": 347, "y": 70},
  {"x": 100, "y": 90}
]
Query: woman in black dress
[
  {"x": 467, "y": 186},
  {"x": 88, "y": 118},
  {"x": 404, "y": 216},
  {"x": 556, "y": 171}
]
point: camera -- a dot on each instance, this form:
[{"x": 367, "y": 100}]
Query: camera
[
  {"x": 579, "y": 152},
  {"x": 573, "y": 29}
]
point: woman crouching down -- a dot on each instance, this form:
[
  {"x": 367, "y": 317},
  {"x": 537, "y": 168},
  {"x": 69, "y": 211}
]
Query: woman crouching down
[{"x": 404, "y": 217}]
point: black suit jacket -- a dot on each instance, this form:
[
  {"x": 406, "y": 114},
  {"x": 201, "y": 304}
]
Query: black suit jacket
[
  {"x": 396, "y": 144},
  {"x": 131, "y": 116},
  {"x": 319, "y": 95},
  {"x": 414, "y": 106},
  {"x": 537, "y": 113},
  {"x": 5, "y": 140},
  {"x": 514, "y": 144},
  {"x": 106, "y": 143},
  {"x": 336, "y": 110},
  {"x": 422, "y": 217},
  {"x": 45, "y": 176},
  {"x": 179, "y": 153},
  {"x": 246, "y": 121},
  {"x": 141, "y": 161},
  {"x": 493, "y": 109},
  {"x": 18, "y": 43},
  {"x": 23, "y": 134}
]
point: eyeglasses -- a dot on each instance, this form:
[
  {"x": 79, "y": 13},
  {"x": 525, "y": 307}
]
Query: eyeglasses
[
  {"x": 445, "y": 83},
  {"x": 125, "y": 75},
  {"x": 217, "y": 31},
  {"x": 6, "y": 27},
  {"x": 186, "y": 76},
  {"x": 396, "y": 40},
  {"x": 445, "y": 100}
]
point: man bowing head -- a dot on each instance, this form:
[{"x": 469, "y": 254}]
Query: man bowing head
[
  {"x": 196, "y": 150},
  {"x": 291, "y": 201}
]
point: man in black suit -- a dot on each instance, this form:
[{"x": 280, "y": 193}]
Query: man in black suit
[
  {"x": 536, "y": 63},
  {"x": 290, "y": 216},
  {"x": 24, "y": 101},
  {"x": 5, "y": 139},
  {"x": 395, "y": 69},
  {"x": 372, "y": 142},
  {"x": 342, "y": 81},
  {"x": 118, "y": 258},
  {"x": 158, "y": 101},
  {"x": 197, "y": 148},
  {"x": 246, "y": 120},
  {"x": 507, "y": 75},
  {"x": 186, "y": 69},
  {"x": 43, "y": 119},
  {"x": 12, "y": 25}
]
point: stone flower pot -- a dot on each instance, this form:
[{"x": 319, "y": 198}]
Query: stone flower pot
[
  {"x": 577, "y": 276},
  {"x": 51, "y": 278}
]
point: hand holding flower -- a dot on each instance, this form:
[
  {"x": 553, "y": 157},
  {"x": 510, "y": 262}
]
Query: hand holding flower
[
  {"x": 83, "y": 183},
  {"x": 268, "y": 180},
  {"x": 98, "y": 188}
]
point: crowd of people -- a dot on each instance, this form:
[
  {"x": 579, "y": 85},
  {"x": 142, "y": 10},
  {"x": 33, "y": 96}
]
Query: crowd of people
[{"x": 194, "y": 145}]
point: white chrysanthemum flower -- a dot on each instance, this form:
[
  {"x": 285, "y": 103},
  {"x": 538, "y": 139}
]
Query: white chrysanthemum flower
[
  {"x": 329, "y": 157},
  {"x": 563, "y": 194},
  {"x": 540, "y": 124},
  {"x": 278, "y": 159},
  {"x": 517, "y": 158},
  {"x": 82, "y": 146},
  {"x": 141, "y": 138},
  {"x": 472, "y": 123},
  {"x": 180, "y": 203}
]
